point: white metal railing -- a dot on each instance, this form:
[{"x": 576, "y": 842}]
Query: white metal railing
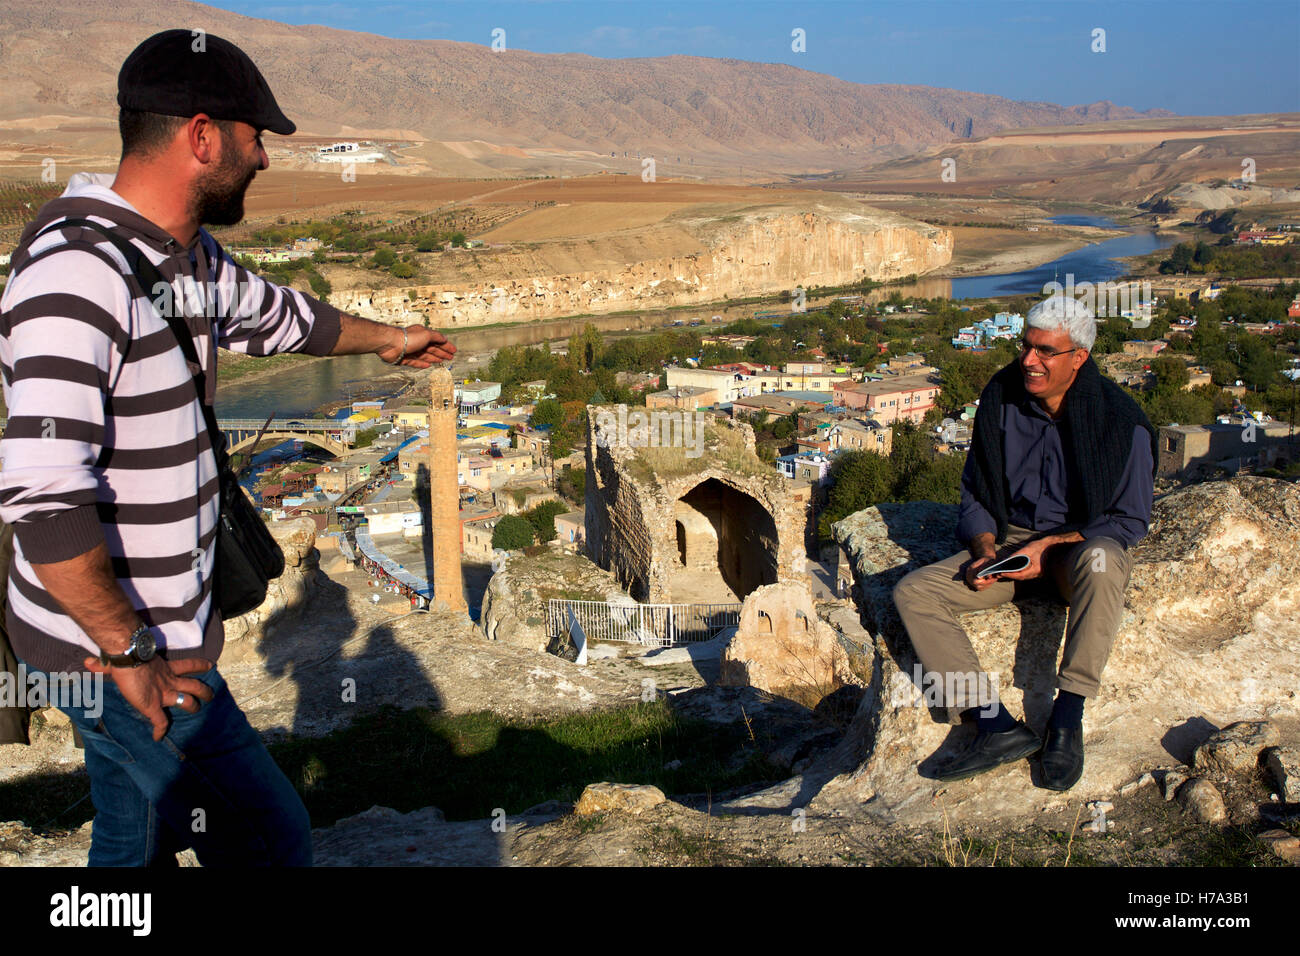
[{"x": 657, "y": 625}]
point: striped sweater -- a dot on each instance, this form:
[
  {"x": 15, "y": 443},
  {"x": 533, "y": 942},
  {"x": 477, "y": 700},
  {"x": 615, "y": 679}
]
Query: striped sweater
[{"x": 105, "y": 440}]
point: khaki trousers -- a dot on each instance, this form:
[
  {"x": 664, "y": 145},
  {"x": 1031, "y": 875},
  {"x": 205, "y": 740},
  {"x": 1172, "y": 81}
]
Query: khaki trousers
[{"x": 1089, "y": 575}]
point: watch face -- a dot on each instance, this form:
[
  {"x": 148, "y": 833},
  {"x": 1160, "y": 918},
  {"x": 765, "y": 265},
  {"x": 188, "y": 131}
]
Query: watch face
[{"x": 145, "y": 646}]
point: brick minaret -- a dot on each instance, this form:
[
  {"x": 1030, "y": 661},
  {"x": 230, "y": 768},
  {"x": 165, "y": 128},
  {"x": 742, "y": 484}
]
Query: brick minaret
[{"x": 444, "y": 490}]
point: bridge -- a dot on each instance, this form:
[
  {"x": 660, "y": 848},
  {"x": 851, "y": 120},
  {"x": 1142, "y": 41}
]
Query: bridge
[{"x": 331, "y": 434}]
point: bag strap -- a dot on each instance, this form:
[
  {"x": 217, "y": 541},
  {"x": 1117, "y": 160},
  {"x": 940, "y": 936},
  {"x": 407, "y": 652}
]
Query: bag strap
[{"x": 146, "y": 272}]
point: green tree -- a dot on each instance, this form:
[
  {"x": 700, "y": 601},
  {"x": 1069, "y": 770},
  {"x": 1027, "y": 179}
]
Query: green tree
[
  {"x": 859, "y": 479},
  {"x": 512, "y": 533},
  {"x": 939, "y": 480},
  {"x": 572, "y": 484},
  {"x": 548, "y": 412},
  {"x": 1171, "y": 373},
  {"x": 585, "y": 347},
  {"x": 542, "y": 518}
]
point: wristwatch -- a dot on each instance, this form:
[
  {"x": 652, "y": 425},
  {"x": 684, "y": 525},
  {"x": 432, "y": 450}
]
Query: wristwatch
[{"x": 141, "y": 651}]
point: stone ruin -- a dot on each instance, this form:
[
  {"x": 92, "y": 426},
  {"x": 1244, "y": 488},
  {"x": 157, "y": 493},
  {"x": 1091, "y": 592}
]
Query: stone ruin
[{"x": 673, "y": 526}]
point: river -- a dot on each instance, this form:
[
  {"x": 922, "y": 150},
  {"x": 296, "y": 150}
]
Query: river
[{"x": 297, "y": 392}]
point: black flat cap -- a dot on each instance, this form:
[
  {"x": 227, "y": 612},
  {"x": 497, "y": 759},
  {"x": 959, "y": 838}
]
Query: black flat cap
[{"x": 183, "y": 73}]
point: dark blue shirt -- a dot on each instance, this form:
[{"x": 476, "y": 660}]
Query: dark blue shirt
[{"x": 1038, "y": 479}]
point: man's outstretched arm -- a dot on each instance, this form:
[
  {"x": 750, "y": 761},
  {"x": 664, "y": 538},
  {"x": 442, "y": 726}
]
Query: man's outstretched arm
[{"x": 415, "y": 345}]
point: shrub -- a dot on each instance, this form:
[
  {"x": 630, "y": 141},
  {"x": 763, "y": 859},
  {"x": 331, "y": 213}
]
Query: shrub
[{"x": 512, "y": 533}]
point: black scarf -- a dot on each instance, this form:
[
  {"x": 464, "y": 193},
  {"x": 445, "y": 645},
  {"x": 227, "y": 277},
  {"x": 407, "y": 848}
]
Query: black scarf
[{"x": 1098, "y": 418}]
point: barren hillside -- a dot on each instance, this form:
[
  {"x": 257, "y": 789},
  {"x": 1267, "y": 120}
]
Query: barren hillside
[
  {"x": 1126, "y": 162},
  {"x": 491, "y": 111}
]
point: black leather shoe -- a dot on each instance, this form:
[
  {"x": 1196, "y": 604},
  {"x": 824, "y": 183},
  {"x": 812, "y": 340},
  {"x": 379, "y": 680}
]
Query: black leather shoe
[
  {"x": 1062, "y": 759},
  {"x": 990, "y": 750}
]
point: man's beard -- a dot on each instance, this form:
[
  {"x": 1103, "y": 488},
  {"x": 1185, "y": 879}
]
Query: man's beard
[{"x": 218, "y": 198}]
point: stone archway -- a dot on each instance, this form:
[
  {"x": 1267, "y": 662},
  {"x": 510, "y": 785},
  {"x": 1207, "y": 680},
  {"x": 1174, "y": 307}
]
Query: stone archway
[{"x": 741, "y": 543}]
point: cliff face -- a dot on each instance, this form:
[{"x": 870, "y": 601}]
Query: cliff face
[{"x": 759, "y": 251}]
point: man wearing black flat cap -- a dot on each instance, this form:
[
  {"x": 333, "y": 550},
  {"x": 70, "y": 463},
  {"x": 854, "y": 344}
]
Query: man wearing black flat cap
[{"x": 109, "y": 478}]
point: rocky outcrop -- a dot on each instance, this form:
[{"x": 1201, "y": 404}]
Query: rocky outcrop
[
  {"x": 286, "y": 596},
  {"x": 1283, "y": 765},
  {"x": 515, "y": 603},
  {"x": 750, "y": 251},
  {"x": 782, "y": 647},
  {"x": 1209, "y": 636}
]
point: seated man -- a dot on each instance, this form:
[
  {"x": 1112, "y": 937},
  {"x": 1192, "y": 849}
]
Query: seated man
[{"x": 1060, "y": 471}]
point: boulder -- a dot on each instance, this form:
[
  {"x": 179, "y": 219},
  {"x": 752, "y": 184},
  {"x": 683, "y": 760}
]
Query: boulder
[
  {"x": 625, "y": 797},
  {"x": 1234, "y": 749},
  {"x": 1283, "y": 765},
  {"x": 1203, "y": 801},
  {"x": 782, "y": 647},
  {"x": 1209, "y": 636},
  {"x": 1283, "y": 844}
]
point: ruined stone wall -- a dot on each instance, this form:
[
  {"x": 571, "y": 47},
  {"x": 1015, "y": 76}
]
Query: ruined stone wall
[
  {"x": 631, "y": 515},
  {"x": 617, "y": 537},
  {"x": 760, "y": 252}
]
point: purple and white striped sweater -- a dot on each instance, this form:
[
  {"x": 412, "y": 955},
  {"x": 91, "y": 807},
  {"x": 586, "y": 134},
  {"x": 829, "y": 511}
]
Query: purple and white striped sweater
[{"x": 105, "y": 439}]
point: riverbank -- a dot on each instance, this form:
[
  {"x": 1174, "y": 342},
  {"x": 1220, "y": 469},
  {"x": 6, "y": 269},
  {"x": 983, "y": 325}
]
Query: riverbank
[
  {"x": 235, "y": 367},
  {"x": 1012, "y": 260}
]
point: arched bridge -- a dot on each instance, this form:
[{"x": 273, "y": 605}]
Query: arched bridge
[{"x": 331, "y": 434}]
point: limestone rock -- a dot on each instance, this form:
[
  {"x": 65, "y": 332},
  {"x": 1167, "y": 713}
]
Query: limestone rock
[
  {"x": 1134, "y": 786},
  {"x": 515, "y": 603},
  {"x": 1283, "y": 844},
  {"x": 782, "y": 647},
  {"x": 1235, "y": 748},
  {"x": 1202, "y": 800},
  {"x": 1180, "y": 624},
  {"x": 625, "y": 797},
  {"x": 1283, "y": 764},
  {"x": 1173, "y": 779},
  {"x": 286, "y": 596},
  {"x": 757, "y": 249}
]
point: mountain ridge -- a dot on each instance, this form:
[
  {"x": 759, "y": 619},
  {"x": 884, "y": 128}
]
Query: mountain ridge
[{"x": 337, "y": 82}]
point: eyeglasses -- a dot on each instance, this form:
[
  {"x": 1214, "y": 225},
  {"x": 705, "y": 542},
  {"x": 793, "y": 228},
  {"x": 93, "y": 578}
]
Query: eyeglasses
[{"x": 1042, "y": 351}]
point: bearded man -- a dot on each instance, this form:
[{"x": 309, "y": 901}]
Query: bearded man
[{"x": 109, "y": 477}]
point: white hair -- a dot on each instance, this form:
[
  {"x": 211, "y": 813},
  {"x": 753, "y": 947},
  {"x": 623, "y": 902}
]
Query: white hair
[{"x": 1063, "y": 312}]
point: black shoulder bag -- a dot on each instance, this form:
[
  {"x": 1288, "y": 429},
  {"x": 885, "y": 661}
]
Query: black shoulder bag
[{"x": 248, "y": 558}]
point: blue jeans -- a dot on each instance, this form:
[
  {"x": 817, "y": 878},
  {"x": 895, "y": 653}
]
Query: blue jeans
[{"x": 209, "y": 784}]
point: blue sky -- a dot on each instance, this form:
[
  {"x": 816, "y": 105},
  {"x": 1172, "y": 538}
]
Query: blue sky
[{"x": 1194, "y": 57}]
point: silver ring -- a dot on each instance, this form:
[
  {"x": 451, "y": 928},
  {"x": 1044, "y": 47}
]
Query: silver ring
[{"x": 180, "y": 699}]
